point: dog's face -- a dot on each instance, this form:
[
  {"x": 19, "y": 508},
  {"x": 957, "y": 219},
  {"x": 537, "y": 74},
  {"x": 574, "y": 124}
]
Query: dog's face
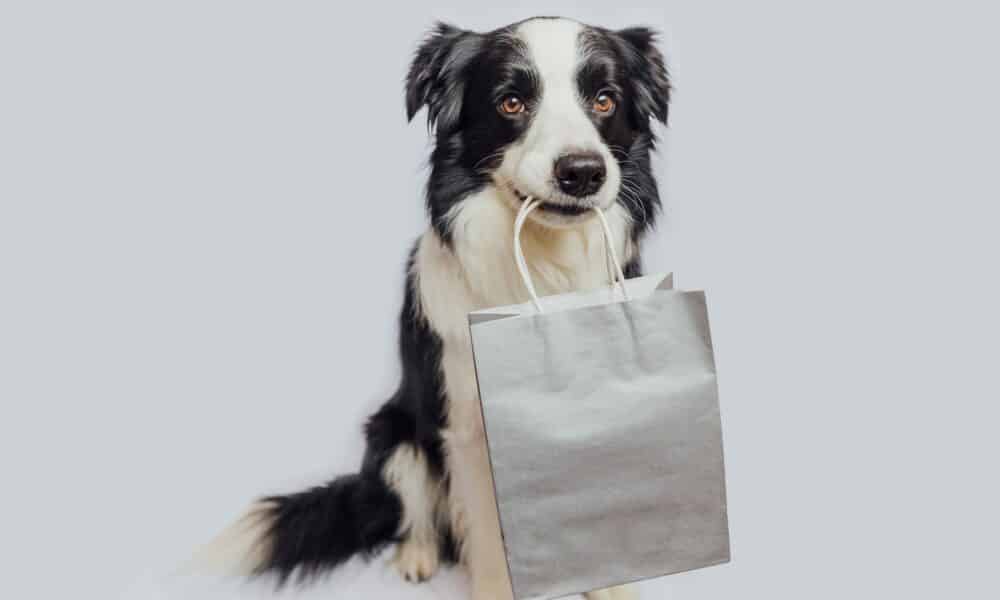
[{"x": 548, "y": 108}]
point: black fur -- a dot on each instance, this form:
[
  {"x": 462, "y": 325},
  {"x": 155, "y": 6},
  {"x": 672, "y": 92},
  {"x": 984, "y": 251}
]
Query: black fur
[
  {"x": 629, "y": 63},
  {"x": 317, "y": 530},
  {"x": 320, "y": 528},
  {"x": 460, "y": 76},
  {"x": 419, "y": 400}
]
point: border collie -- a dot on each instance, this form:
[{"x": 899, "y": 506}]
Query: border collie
[{"x": 547, "y": 108}]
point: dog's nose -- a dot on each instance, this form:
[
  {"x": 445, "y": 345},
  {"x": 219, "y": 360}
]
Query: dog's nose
[{"x": 580, "y": 174}]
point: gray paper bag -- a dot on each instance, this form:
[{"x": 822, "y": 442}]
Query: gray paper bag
[{"x": 602, "y": 422}]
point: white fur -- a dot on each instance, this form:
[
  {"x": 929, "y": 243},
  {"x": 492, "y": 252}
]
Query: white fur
[
  {"x": 622, "y": 592},
  {"x": 239, "y": 549},
  {"x": 408, "y": 474},
  {"x": 559, "y": 125}
]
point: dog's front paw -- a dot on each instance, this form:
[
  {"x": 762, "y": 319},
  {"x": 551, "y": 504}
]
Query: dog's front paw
[
  {"x": 622, "y": 592},
  {"x": 416, "y": 561}
]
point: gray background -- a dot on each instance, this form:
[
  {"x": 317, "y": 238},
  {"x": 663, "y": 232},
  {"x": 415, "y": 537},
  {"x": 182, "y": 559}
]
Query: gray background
[{"x": 195, "y": 309}]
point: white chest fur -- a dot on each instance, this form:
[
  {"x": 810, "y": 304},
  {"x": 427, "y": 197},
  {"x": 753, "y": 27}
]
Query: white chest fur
[{"x": 479, "y": 271}]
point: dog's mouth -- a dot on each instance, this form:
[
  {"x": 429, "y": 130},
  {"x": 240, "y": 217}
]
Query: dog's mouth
[{"x": 566, "y": 210}]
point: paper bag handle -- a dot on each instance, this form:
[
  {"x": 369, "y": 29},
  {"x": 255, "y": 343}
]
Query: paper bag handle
[{"x": 531, "y": 204}]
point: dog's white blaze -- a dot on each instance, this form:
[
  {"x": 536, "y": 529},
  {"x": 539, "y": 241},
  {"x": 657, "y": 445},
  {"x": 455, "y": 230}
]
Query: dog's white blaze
[{"x": 559, "y": 124}]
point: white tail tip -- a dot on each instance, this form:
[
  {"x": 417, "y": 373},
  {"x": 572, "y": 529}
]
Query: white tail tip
[{"x": 240, "y": 549}]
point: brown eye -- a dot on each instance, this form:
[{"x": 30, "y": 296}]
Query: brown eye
[
  {"x": 511, "y": 105},
  {"x": 604, "y": 103}
]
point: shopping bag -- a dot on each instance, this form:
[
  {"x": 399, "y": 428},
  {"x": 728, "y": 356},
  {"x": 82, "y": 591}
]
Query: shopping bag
[{"x": 602, "y": 423}]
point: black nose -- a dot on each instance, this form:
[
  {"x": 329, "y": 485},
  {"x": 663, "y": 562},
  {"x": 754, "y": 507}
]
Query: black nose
[{"x": 580, "y": 174}]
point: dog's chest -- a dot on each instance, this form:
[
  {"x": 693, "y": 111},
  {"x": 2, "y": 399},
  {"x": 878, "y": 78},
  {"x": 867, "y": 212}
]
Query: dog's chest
[{"x": 478, "y": 271}]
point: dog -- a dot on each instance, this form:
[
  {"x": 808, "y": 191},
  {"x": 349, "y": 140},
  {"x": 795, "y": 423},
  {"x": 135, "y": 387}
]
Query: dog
[{"x": 547, "y": 108}]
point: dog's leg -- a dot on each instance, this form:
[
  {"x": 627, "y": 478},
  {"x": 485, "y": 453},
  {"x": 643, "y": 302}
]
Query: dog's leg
[
  {"x": 474, "y": 514},
  {"x": 471, "y": 502},
  {"x": 621, "y": 592},
  {"x": 408, "y": 474}
]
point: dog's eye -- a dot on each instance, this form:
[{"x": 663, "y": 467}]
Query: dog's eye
[
  {"x": 604, "y": 103},
  {"x": 511, "y": 105}
]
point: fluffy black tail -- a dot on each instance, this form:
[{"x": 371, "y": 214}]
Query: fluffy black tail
[{"x": 309, "y": 532}]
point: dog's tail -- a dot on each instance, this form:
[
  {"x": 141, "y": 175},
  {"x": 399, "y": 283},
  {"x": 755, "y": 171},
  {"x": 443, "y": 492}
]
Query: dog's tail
[{"x": 309, "y": 532}]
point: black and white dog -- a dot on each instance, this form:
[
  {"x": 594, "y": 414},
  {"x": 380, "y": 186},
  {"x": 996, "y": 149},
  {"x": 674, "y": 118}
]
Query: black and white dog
[{"x": 548, "y": 108}]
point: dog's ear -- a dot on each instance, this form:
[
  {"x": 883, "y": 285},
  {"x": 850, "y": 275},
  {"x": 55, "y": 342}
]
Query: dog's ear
[
  {"x": 436, "y": 76},
  {"x": 648, "y": 72}
]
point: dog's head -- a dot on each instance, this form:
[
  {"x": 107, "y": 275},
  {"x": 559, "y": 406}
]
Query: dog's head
[{"x": 548, "y": 108}]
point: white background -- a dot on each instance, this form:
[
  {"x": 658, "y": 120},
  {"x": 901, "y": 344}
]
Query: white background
[{"x": 205, "y": 208}]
